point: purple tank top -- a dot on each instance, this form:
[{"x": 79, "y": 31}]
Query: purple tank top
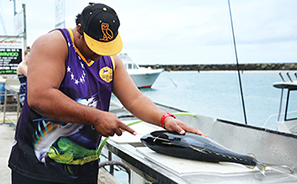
[{"x": 61, "y": 151}]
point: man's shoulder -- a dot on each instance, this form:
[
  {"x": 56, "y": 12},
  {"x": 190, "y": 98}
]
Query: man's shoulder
[
  {"x": 52, "y": 36},
  {"x": 54, "y": 39}
]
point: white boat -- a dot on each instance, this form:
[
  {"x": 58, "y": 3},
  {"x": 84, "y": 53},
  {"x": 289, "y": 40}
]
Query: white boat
[
  {"x": 142, "y": 77},
  {"x": 287, "y": 117}
]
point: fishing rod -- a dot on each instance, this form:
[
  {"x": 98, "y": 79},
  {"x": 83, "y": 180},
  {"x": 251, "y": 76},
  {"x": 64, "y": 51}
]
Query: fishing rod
[
  {"x": 280, "y": 74},
  {"x": 289, "y": 77},
  {"x": 238, "y": 72},
  {"x": 171, "y": 80}
]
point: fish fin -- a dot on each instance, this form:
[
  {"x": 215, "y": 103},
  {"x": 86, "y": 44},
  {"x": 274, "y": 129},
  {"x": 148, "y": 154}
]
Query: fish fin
[
  {"x": 174, "y": 144},
  {"x": 261, "y": 166},
  {"x": 199, "y": 150},
  {"x": 250, "y": 166},
  {"x": 252, "y": 155},
  {"x": 282, "y": 168}
]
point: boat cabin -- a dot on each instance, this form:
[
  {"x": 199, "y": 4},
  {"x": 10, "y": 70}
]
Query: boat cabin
[
  {"x": 289, "y": 115},
  {"x": 131, "y": 66},
  {"x": 128, "y": 62}
]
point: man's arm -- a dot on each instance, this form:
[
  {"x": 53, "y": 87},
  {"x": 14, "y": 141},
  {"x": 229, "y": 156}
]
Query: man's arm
[
  {"x": 22, "y": 68},
  {"x": 141, "y": 106}
]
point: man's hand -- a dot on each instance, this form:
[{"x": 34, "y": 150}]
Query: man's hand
[
  {"x": 109, "y": 124},
  {"x": 172, "y": 124}
]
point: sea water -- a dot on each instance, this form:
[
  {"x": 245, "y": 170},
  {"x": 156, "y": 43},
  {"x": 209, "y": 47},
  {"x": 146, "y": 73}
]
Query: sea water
[{"x": 217, "y": 94}]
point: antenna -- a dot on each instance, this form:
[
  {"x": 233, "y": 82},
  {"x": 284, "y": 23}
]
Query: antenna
[
  {"x": 289, "y": 77},
  {"x": 280, "y": 74},
  {"x": 239, "y": 78}
]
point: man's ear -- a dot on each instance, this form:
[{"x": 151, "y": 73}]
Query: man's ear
[{"x": 79, "y": 29}]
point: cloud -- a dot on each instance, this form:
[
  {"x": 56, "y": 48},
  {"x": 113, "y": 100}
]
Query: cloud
[{"x": 189, "y": 31}]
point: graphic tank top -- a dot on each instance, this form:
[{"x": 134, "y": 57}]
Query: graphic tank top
[
  {"x": 23, "y": 80},
  {"x": 59, "y": 151}
]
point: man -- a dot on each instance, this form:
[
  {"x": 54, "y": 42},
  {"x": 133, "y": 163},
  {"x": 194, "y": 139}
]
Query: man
[{"x": 71, "y": 75}]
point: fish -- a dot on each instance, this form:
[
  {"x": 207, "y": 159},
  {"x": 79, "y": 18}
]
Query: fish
[{"x": 195, "y": 147}]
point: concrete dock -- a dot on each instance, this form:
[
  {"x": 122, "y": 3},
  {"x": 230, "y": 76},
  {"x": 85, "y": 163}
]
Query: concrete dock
[{"x": 7, "y": 131}]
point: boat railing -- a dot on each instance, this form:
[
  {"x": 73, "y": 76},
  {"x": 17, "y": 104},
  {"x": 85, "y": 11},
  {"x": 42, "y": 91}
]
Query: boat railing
[{"x": 268, "y": 119}]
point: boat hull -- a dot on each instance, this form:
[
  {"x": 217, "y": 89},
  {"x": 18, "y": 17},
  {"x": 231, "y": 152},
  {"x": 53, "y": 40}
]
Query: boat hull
[{"x": 145, "y": 79}]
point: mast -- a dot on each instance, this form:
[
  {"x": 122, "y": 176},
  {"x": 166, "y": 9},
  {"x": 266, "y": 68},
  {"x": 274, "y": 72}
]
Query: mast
[{"x": 237, "y": 64}]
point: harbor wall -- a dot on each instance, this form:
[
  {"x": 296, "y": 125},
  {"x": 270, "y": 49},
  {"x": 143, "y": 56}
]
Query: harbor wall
[{"x": 210, "y": 67}]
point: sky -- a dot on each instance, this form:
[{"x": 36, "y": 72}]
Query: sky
[{"x": 182, "y": 32}]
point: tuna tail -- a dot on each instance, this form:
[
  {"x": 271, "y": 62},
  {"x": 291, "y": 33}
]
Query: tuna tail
[
  {"x": 262, "y": 166},
  {"x": 281, "y": 168}
]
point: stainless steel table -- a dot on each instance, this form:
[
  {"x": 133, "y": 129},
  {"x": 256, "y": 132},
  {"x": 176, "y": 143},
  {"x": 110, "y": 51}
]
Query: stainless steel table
[{"x": 155, "y": 167}]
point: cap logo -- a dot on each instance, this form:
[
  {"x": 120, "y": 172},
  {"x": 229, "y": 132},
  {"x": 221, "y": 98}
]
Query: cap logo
[{"x": 107, "y": 33}]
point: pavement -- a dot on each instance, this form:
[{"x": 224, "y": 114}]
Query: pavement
[{"x": 7, "y": 131}]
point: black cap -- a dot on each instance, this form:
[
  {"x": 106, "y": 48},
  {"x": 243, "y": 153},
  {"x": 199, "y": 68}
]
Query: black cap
[{"x": 100, "y": 25}]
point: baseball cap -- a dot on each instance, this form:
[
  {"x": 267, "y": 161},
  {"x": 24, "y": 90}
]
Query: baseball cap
[{"x": 100, "y": 25}]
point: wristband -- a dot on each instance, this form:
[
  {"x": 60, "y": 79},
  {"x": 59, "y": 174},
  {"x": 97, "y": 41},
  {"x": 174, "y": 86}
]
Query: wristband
[{"x": 164, "y": 117}]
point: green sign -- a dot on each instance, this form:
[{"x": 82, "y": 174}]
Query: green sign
[{"x": 10, "y": 55}]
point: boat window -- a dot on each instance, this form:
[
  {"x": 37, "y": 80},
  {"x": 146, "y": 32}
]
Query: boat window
[
  {"x": 291, "y": 112},
  {"x": 135, "y": 66},
  {"x": 129, "y": 66}
]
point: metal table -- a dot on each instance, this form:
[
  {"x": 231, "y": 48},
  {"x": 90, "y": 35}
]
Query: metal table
[
  {"x": 156, "y": 167},
  {"x": 269, "y": 146}
]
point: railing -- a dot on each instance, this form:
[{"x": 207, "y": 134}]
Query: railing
[{"x": 276, "y": 115}]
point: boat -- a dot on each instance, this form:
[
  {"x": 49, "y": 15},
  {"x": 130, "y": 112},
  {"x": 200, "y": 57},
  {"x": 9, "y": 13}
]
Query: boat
[
  {"x": 269, "y": 146},
  {"x": 142, "y": 77},
  {"x": 287, "y": 117}
]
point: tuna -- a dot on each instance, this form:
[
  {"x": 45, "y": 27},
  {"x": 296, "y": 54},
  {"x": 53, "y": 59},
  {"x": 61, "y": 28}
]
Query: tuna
[{"x": 196, "y": 147}]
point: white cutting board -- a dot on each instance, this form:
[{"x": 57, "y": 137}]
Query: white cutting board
[
  {"x": 185, "y": 166},
  {"x": 141, "y": 130}
]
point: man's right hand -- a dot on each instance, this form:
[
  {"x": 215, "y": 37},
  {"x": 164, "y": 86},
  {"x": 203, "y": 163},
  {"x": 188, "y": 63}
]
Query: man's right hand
[{"x": 109, "y": 124}]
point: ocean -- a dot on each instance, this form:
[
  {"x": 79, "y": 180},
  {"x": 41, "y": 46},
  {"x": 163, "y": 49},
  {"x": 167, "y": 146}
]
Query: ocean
[{"x": 217, "y": 94}]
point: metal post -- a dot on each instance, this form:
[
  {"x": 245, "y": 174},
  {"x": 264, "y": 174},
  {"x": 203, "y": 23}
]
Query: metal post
[
  {"x": 25, "y": 26},
  {"x": 14, "y": 9},
  {"x": 111, "y": 168},
  {"x": 280, "y": 105},
  {"x": 237, "y": 64}
]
